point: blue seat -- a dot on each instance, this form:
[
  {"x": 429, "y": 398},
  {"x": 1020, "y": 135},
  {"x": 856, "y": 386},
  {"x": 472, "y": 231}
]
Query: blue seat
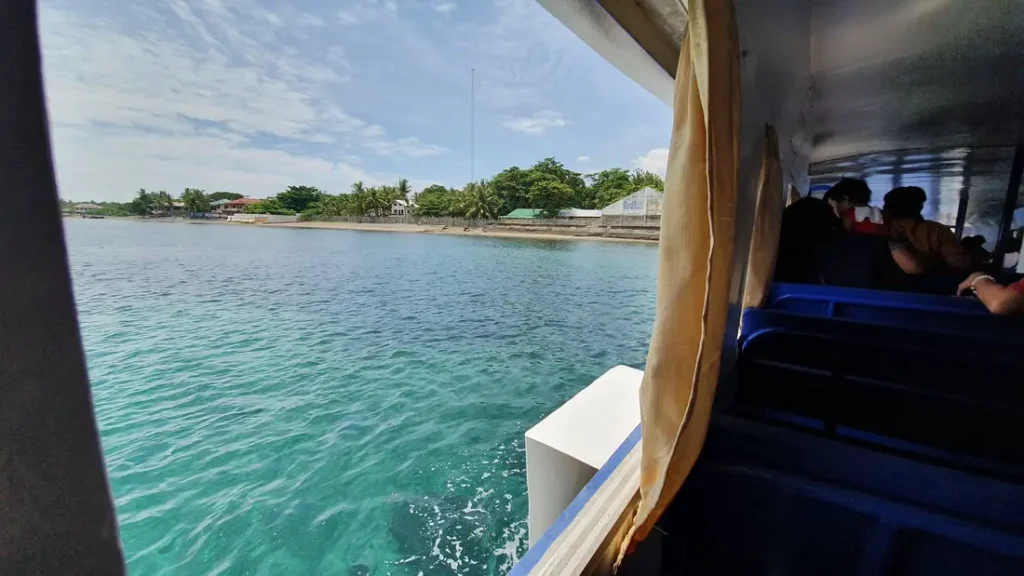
[
  {"x": 946, "y": 314},
  {"x": 953, "y": 392},
  {"x": 769, "y": 500}
]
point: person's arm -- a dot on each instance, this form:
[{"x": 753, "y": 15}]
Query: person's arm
[
  {"x": 999, "y": 299},
  {"x": 908, "y": 259},
  {"x": 953, "y": 253}
]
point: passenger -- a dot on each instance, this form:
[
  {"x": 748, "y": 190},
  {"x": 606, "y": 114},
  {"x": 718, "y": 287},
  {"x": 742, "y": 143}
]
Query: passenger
[
  {"x": 975, "y": 246},
  {"x": 921, "y": 246},
  {"x": 808, "y": 227},
  {"x": 850, "y": 198},
  {"x": 999, "y": 299}
]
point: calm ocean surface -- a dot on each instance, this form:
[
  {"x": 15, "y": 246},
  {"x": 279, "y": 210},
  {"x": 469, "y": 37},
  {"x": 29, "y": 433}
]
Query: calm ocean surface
[{"x": 277, "y": 401}]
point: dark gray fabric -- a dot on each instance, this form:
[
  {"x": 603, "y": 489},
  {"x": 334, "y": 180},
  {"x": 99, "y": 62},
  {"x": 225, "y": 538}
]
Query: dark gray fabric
[{"x": 56, "y": 513}]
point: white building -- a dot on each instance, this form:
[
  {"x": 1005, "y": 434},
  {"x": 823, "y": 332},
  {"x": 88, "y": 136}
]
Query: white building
[
  {"x": 643, "y": 202},
  {"x": 579, "y": 213},
  {"x": 83, "y": 209},
  {"x": 399, "y": 208}
]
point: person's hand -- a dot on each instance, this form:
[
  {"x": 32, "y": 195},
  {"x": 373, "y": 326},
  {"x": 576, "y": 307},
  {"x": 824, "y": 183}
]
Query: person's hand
[{"x": 964, "y": 288}]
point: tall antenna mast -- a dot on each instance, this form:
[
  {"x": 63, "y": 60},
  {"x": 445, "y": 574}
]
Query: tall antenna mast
[{"x": 472, "y": 124}]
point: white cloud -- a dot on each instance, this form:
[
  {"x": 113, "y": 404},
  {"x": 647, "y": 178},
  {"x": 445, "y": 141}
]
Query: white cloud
[
  {"x": 583, "y": 158},
  {"x": 347, "y": 17},
  {"x": 169, "y": 105},
  {"x": 445, "y": 8},
  {"x": 307, "y": 19},
  {"x": 363, "y": 11},
  {"x": 655, "y": 160},
  {"x": 537, "y": 124},
  {"x": 90, "y": 168}
]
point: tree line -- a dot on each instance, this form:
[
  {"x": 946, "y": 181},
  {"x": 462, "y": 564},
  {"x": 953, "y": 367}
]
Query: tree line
[{"x": 547, "y": 185}]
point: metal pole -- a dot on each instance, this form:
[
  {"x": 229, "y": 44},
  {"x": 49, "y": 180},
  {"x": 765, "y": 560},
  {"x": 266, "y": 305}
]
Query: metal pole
[
  {"x": 1009, "y": 205},
  {"x": 965, "y": 197},
  {"x": 472, "y": 124}
]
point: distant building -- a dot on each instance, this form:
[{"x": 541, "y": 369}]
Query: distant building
[
  {"x": 83, "y": 209},
  {"x": 523, "y": 214},
  {"x": 533, "y": 213},
  {"x": 236, "y": 206},
  {"x": 641, "y": 209},
  {"x": 399, "y": 208},
  {"x": 643, "y": 202},
  {"x": 217, "y": 206},
  {"x": 579, "y": 213}
]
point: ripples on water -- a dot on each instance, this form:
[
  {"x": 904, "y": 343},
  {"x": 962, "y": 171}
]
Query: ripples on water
[{"x": 277, "y": 401}]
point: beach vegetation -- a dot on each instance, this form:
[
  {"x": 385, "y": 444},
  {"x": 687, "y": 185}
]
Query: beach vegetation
[{"x": 547, "y": 185}]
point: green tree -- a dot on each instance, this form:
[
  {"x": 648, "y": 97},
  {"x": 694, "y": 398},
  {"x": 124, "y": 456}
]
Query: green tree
[
  {"x": 512, "y": 187},
  {"x": 163, "y": 202},
  {"x": 550, "y": 195},
  {"x": 435, "y": 200},
  {"x": 610, "y": 185},
  {"x": 479, "y": 202},
  {"x": 143, "y": 203},
  {"x": 403, "y": 189},
  {"x": 644, "y": 179},
  {"x": 268, "y": 206},
  {"x": 195, "y": 200},
  {"x": 223, "y": 196},
  {"x": 549, "y": 168},
  {"x": 298, "y": 198},
  {"x": 378, "y": 200}
]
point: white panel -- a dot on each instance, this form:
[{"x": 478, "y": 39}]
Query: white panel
[{"x": 565, "y": 449}]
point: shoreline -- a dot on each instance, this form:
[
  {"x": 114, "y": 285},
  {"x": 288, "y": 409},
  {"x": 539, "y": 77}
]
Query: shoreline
[
  {"x": 492, "y": 232},
  {"x": 450, "y": 231}
]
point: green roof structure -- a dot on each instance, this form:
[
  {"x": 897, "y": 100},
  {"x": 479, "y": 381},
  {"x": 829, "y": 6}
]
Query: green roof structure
[{"x": 523, "y": 214}]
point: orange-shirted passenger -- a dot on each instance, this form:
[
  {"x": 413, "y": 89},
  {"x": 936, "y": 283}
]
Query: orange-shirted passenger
[{"x": 934, "y": 244}]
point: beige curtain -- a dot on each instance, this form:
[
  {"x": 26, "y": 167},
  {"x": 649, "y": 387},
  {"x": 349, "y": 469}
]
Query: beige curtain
[
  {"x": 695, "y": 258},
  {"x": 764, "y": 242},
  {"x": 794, "y": 195}
]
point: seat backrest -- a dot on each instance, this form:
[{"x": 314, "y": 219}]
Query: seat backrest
[
  {"x": 953, "y": 392},
  {"x": 946, "y": 314}
]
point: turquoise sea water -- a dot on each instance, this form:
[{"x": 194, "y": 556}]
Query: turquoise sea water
[{"x": 277, "y": 401}]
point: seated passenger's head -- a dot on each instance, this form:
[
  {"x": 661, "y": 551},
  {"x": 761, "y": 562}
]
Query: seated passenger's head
[
  {"x": 847, "y": 193},
  {"x": 905, "y": 202},
  {"x": 808, "y": 221}
]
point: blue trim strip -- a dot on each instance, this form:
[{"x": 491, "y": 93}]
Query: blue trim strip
[{"x": 533, "y": 556}]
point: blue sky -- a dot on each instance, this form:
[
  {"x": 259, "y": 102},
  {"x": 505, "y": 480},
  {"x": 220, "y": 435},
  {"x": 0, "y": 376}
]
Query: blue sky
[{"x": 251, "y": 95}]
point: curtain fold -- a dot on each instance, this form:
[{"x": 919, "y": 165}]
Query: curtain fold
[
  {"x": 794, "y": 195},
  {"x": 764, "y": 241},
  {"x": 695, "y": 259}
]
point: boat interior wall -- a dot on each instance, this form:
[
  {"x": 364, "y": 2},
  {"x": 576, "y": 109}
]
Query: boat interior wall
[
  {"x": 902, "y": 74},
  {"x": 651, "y": 65},
  {"x": 978, "y": 177},
  {"x": 775, "y": 77}
]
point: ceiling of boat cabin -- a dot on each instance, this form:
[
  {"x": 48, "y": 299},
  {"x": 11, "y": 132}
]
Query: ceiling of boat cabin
[
  {"x": 888, "y": 74},
  {"x": 902, "y": 74},
  {"x": 927, "y": 93}
]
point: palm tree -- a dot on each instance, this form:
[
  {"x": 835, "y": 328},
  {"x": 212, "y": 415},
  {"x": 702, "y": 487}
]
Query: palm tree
[
  {"x": 377, "y": 201},
  {"x": 196, "y": 201},
  {"x": 403, "y": 189},
  {"x": 479, "y": 202}
]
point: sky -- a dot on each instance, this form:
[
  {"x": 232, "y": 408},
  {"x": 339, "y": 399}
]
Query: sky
[{"x": 251, "y": 96}]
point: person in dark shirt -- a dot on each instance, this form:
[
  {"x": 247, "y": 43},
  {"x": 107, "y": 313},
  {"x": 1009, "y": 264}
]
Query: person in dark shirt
[{"x": 850, "y": 198}]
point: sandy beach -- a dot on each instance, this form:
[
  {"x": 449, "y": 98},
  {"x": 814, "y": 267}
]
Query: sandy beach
[{"x": 452, "y": 231}]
